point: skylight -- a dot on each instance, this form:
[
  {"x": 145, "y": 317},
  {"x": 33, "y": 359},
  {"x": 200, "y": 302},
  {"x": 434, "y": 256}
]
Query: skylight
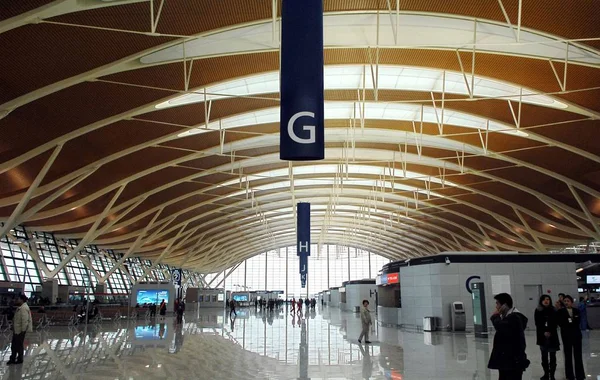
[
  {"x": 360, "y": 30},
  {"x": 373, "y": 110},
  {"x": 390, "y": 78}
]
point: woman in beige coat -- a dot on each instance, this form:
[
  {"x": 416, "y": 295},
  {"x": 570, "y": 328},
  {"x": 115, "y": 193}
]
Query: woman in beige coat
[
  {"x": 365, "y": 318},
  {"x": 22, "y": 324}
]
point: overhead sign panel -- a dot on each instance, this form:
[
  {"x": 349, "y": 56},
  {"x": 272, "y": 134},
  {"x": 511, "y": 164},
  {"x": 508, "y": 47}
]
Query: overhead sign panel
[
  {"x": 302, "y": 129},
  {"x": 303, "y": 239},
  {"x": 176, "y": 276}
]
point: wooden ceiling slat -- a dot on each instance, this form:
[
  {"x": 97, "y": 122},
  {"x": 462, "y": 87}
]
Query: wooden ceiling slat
[
  {"x": 43, "y": 54},
  {"x": 65, "y": 111},
  {"x": 11, "y": 9}
]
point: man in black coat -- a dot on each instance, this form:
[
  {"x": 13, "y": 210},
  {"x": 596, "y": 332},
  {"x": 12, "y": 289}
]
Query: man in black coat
[{"x": 508, "y": 354}]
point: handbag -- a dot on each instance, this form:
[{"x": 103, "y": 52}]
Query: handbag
[{"x": 522, "y": 363}]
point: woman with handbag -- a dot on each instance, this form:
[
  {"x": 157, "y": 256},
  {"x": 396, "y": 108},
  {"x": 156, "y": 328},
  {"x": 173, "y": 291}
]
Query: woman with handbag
[
  {"x": 508, "y": 353},
  {"x": 547, "y": 336}
]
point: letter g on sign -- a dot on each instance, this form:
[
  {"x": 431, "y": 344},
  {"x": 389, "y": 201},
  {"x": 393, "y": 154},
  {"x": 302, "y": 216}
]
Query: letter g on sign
[{"x": 309, "y": 128}]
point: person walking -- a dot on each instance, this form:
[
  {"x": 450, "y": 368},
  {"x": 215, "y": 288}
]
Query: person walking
[
  {"x": 293, "y": 309},
  {"x": 568, "y": 320},
  {"x": 299, "y": 306},
  {"x": 22, "y": 324},
  {"x": 547, "y": 336},
  {"x": 232, "y": 308},
  {"x": 508, "y": 352},
  {"x": 366, "y": 321},
  {"x": 180, "y": 311}
]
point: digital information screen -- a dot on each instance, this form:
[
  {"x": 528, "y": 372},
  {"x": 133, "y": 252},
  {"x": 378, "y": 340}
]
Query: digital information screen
[
  {"x": 152, "y": 296},
  {"x": 593, "y": 279},
  {"x": 240, "y": 297}
]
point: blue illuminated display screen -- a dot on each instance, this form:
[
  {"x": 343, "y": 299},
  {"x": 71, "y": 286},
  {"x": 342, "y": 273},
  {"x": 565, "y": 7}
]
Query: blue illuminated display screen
[
  {"x": 240, "y": 297},
  {"x": 152, "y": 296}
]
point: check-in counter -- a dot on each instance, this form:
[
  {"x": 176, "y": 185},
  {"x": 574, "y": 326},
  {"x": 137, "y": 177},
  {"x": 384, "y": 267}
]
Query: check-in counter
[
  {"x": 356, "y": 291},
  {"x": 335, "y": 297},
  {"x": 593, "y": 315},
  {"x": 389, "y": 311}
]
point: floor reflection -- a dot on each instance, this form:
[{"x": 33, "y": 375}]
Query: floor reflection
[{"x": 260, "y": 345}]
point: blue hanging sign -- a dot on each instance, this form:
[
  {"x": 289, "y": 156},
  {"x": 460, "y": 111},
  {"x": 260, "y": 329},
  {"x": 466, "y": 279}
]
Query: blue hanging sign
[
  {"x": 302, "y": 128},
  {"x": 176, "y": 275},
  {"x": 303, "y": 239}
]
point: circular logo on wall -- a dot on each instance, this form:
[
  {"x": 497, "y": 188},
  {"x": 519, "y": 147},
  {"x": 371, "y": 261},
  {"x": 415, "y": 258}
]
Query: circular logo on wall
[{"x": 468, "y": 282}]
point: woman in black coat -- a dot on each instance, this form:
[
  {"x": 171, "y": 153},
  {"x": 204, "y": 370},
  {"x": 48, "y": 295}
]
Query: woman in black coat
[
  {"x": 508, "y": 355},
  {"x": 547, "y": 336},
  {"x": 568, "y": 320}
]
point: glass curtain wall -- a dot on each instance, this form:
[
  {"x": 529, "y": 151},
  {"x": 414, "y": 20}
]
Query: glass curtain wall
[
  {"x": 84, "y": 270},
  {"x": 328, "y": 266}
]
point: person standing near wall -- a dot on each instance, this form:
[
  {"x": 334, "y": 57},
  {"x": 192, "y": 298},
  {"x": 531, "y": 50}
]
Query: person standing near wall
[
  {"x": 547, "y": 336},
  {"x": 22, "y": 324},
  {"x": 162, "y": 309},
  {"x": 569, "y": 323},
  {"x": 582, "y": 306},
  {"x": 366, "y": 321},
  {"x": 560, "y": 304},
  {"x": 508, "y": 353}
]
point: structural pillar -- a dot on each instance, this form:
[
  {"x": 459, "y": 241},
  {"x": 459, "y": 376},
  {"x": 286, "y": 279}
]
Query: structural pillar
[
  {"x": 286, "y": 280},
  {"x": 348, "y": 248},
  {"x": 50, "y": 289},
  {"x": 328, "y": 285}
]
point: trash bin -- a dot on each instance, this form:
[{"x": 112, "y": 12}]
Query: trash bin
[
  {"x": 429, "y": 324},
  {"x": 357, "y": 309}
]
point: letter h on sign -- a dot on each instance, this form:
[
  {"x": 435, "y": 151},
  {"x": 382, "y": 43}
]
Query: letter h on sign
[{"x": 303, "y": 239}]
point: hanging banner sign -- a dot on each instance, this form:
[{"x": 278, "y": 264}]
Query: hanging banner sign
[
  {"x": 176, "y": 275},
  {"x": 302, "y": 126},
  {"x": 303, "y": 239}
]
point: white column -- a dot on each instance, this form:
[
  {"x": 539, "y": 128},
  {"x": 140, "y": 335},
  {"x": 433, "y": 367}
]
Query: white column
[
  {"x": 348, "y": 248},
  {"x": 370, "y": 275},
  {"x": 328, "y": 285}
]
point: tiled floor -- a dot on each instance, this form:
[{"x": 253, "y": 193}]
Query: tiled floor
[{"x": 255, "y": 345}]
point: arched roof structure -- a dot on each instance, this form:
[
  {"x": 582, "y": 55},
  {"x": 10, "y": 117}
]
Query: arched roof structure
[{"x": 151, "y": 127}]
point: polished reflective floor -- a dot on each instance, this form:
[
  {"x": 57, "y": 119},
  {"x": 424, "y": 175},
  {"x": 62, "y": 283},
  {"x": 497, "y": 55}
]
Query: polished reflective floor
[{"x": 262, "y": 345}]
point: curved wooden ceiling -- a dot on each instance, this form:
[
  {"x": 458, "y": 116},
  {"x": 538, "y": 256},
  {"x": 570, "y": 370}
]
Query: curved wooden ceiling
[{"x": 85, "y": 152}]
